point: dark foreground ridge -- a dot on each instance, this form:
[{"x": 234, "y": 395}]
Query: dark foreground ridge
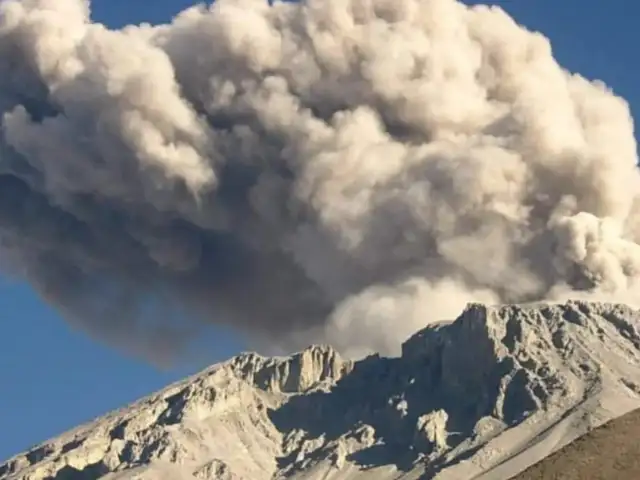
[
  {"x": 483, "y": 397},
  {"x": 609, "y": 452}
]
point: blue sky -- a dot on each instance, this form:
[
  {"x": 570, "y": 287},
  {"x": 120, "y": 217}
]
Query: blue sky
[{"x": 54, "y": 377}]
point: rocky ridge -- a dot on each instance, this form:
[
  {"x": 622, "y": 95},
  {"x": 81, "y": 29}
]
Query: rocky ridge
[{"x": 484, "y": 396}]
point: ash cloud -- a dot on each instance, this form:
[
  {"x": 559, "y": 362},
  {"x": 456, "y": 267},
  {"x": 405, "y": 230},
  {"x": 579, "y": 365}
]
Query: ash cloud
[{"x": 339, "y": 171}]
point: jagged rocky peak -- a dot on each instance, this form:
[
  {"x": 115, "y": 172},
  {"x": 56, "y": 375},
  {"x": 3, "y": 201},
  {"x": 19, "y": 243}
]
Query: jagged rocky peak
[
  {"x": 316, "y": 365},
  {"x": 523, "y": 357},
  {"x": 488, "y": 333},
  {"x": 507, "y": 323}
]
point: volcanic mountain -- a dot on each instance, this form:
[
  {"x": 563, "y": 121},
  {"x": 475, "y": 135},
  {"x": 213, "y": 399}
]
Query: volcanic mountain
[{"x": 483, "y": 397}]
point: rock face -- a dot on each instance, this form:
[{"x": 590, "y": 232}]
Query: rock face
[{"x": 483, "y": 397}]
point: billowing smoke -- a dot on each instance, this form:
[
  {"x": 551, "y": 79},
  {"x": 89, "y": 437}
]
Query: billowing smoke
[{"x": 339, "y": 171}]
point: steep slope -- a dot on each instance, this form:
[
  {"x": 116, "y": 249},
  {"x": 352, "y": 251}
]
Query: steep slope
[{"x": 482, "y": 397}]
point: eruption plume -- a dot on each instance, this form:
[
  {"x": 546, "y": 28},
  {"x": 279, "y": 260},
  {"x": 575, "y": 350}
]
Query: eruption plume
[{"x": 338, "y": 171}]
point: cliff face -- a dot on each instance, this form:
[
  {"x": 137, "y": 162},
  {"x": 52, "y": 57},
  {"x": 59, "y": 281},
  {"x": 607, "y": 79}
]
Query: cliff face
[{"x": 488, "y": 394}]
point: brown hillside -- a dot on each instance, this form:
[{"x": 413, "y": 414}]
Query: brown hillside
[{"x": 609, "y": 452}]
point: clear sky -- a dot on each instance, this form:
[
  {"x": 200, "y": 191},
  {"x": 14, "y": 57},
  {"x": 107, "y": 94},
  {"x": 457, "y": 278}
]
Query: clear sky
[{"x": 54, "y": 378}]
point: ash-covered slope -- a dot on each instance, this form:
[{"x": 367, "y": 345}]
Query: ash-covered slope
[{"x": 482, "y": 397}]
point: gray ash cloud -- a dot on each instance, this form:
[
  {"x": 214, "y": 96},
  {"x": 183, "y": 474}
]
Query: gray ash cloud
[{"x": 325, "y": 171}]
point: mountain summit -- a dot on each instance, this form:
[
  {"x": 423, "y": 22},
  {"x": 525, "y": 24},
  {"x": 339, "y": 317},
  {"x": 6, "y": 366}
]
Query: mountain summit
[{"x": 482, "y": 397}]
